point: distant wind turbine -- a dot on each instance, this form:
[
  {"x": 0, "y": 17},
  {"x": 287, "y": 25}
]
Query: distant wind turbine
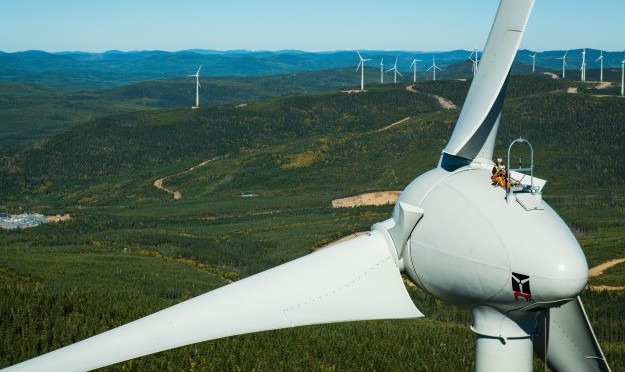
[
  {"x": 623, "y": 78},
  {"x": 475, "y": 61},
  {"x": 394, "y": 69},
  {"x": 434, "y": 68},
  {"x": 583, "y": 68},
  {"x": 361, "y": 66},
  {"x": 197, "y": 88},
  {"x": 414, "y": 71},
  {"x": 534, "y": 61},
  {"x": 382, "y": 71},
  {"x": 597, "y": 60},
  {"x": 563, "y": 58}
]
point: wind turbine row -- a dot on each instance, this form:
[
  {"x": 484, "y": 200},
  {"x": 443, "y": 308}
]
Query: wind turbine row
[{"x": 413, "y": 66}]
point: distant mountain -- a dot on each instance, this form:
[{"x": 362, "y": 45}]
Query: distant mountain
[{"x": 74, "y": 71}]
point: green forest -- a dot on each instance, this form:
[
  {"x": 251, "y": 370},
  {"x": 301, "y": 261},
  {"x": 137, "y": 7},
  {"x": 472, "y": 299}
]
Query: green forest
[{"x": 130, "y": 249}]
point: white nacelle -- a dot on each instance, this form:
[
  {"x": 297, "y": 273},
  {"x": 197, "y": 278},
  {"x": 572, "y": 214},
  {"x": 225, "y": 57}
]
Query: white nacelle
[{"x": 471, "y": 247}]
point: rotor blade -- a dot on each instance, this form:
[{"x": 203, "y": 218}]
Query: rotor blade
[
  {"x": 359, "y": 64},
  {"x": 571, "y": 342},
  {"x": 479, "y": 116},
  {"x": 399, "y": 73},
  {"x": 353, "y": 280},
  {"x": 390, "y": 69}
]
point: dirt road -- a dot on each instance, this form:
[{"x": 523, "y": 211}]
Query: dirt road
[
  {"x": 598, "y": 270},
  {"x": 177, "y": 194},
  {"x": 443, "y": 102}
]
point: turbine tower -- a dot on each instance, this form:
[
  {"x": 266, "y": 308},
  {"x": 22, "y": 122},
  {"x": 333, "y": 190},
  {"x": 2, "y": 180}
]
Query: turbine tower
[
  {"x": 475, "y": 61},
  {"x": 197, "y": 88},
  {"x": 395, "y": 72},
  {"x": 382, "y": 70},
  {"x": 597, "y": 60},
  {"x": 361, "y": 66},
  {"x": 505, "y": 255},
  {"x": 434, "y": 68},
  {"x": 563, "y": 58},
  {"x": 583, "y": 68},
  {"x": 413, "y": 65},
  {"x": 534, "y": 61}
]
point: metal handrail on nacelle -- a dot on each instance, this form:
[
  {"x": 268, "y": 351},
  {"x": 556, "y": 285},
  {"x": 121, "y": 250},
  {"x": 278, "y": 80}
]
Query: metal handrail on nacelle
[{"x": 521, "y": 169}]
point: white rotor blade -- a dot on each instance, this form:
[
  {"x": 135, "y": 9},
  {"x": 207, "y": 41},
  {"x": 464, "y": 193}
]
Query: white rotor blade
[
  {"x": 474, "y": 134},
  {"x": 571, "y": 342},
  {"x": 353, "y": 280},
  {"x": 399, "y": 73}
]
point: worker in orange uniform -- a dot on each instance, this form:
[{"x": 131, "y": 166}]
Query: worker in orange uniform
[{"x": 500, "y": 174}]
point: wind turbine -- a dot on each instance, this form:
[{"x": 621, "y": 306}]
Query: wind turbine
[
  {"x": 395, "y": 72},
  {"x": 597, "y": 60},
  {"x": 414, "y": 71},
  {"x": 583, "y": 68},
  {"x": 563, "y": 58},
  {"x": 361, "y": 66},
  {"x": 475, "y": 61},
  {"x": 505, "y": 255},
  {"x": 382, "y": 70},
  {"x": 623, "y": 78},
  {"x": 434, "y": 68},
  {"x": 197, "y": 88},
  {"x": 534, "y": 61}
]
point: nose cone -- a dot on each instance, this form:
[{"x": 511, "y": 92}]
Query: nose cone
[
  {"x": 551, "y": 258},
  {"x": 561, "y": 272}
]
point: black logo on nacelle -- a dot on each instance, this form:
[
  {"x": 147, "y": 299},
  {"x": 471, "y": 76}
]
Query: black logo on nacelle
[{"x": 521, "y": 287}]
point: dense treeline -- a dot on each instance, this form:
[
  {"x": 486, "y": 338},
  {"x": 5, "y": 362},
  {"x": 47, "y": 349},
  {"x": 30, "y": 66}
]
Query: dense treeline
[{"x": 134, "y": 142}]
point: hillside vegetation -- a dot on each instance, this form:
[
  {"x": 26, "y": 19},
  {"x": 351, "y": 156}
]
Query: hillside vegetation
[{"x": 131, "y": 249}]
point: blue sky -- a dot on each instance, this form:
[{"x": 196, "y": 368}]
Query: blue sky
[{"x": 320, "y": 25}]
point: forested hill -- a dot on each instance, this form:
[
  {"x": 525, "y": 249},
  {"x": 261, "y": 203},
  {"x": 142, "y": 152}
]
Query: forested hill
[{"x": 576, "y": 136}]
